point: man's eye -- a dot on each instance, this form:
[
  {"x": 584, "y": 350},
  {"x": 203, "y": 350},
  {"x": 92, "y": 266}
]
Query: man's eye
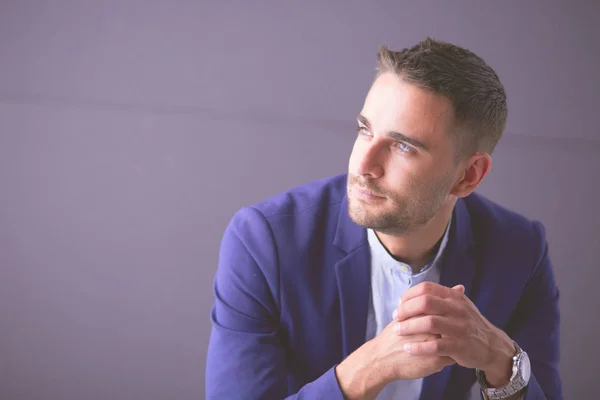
[
  {"x": 404, "y": 147},
  {"x": 363, "y": 131}
]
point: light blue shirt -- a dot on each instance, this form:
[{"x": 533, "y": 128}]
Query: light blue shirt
[{"x": 389, "y": 280}]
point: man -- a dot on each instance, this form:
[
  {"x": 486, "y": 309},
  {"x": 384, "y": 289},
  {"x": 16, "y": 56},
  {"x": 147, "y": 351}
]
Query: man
[{"x": 395, "y": 281}]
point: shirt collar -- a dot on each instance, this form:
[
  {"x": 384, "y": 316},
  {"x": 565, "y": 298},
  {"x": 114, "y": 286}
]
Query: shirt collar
[{"x": 380, "y": 252}]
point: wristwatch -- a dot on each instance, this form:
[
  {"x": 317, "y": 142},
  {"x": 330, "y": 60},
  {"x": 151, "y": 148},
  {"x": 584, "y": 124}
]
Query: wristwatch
[{"x": 521, "y": 372}]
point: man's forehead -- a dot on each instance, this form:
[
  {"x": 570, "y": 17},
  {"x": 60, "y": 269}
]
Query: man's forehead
[
  {"x": 395, "y": 92},
  {"x": 395, "y": 104}
]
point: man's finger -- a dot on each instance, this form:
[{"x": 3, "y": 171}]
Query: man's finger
[
  {"x": 426, "y": 305},
  {"x": 430, "y": 288},
  {"x": 460, "y": 288},
  {"x": 433, "y": 324},
  {"x": 438, "y": 347}
]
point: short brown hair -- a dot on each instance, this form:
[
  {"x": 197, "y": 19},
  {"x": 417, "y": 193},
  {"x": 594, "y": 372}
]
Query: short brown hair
[{"x": 477, "y": 96}]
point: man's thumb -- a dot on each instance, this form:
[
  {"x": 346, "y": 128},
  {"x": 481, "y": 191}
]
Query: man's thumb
[{"x": 460, "y": 288}]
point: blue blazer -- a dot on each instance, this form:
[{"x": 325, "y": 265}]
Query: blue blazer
[{"x": 293, "y": 284}]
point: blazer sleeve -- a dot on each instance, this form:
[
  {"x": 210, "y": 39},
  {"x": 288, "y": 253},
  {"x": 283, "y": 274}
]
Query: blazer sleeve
[
  {"x": 535, "y": 324},
  {"x": 246, "y": 356}
]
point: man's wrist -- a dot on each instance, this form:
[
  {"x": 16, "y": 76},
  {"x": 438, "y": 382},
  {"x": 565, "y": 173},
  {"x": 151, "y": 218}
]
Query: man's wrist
[
  {"x": 499, "y": 371},
  {"x": 359, "y": 376}
]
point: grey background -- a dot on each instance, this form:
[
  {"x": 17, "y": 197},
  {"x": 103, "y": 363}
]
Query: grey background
[{"x": 131, "y": 131}]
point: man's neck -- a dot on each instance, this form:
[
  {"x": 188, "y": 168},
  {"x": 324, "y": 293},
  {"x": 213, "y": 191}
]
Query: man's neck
[{"x": 417, "y": 248}]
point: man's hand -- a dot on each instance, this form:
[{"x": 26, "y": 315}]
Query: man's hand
[
  {"x": 364, "y": 373},
  {"x": 464, "y": 334},
  {"x": 388, "y": 347}
]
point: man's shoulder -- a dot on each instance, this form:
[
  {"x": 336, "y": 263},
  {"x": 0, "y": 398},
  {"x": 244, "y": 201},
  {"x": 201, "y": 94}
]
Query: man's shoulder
[
  {"x": 299, "y": 199},
  {"x": 498, "y": 226},
  {"x": 296, "y": 218},
  {"x": 484, "y": 209}
]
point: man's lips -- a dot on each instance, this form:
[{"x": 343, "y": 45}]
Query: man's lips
[{"x": 365, "y": 193}]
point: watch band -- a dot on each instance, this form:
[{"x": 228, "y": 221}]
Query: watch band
[
  {"x": 485, "y": 396},
  {"x": 516, "y": 384}
]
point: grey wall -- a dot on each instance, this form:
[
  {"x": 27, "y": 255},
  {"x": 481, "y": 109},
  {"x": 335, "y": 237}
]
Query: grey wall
[{"x": 131, "y": 131}]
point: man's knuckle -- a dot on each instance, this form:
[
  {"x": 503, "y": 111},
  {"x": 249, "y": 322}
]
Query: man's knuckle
[
  {"x": 426, "y": 302},
  {"x": 431, "y": 323},
  {"x": 420, "y": 289},
  {"x": 435, "y": 346},
  {"x": 427, "y": 287}
]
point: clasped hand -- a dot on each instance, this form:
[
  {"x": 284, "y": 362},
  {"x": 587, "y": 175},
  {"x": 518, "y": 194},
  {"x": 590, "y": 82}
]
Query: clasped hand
[{"x": 439, "y": 326}]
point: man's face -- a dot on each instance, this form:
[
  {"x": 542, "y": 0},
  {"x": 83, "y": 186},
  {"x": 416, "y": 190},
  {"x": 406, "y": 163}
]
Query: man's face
[{"x": 403, "y": 155}]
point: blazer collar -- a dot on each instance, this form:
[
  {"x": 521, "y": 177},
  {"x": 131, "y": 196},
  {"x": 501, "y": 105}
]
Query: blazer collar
[
  {"x": 353, "y": 276},
  {"x": 348, "y": 235},
  {"x": 458, "y": 267}
]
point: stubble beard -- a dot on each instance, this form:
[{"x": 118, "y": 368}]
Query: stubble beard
[{"x": 397, "y": 215}]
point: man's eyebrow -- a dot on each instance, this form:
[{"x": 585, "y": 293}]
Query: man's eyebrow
[{"x": 395, "y": 135}]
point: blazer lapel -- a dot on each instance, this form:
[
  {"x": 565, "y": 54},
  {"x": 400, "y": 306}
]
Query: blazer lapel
[
  {"x": 458, "y": 267},
  {"x": 353, "y": 275}
]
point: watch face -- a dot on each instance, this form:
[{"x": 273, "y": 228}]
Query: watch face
[{"x": 525, "y": 368}]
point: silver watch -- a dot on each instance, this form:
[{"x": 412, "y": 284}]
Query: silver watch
[{"x": 521, "y": 372}]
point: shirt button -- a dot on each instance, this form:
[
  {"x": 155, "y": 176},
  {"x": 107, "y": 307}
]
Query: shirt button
[{"x": 404, "y": 268}]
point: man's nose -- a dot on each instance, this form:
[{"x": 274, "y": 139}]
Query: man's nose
[{"x": 371, "y": 160}]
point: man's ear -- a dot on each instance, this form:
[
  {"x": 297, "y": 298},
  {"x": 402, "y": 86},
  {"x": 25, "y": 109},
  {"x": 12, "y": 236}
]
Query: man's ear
[{"x": 476, "y": 168}]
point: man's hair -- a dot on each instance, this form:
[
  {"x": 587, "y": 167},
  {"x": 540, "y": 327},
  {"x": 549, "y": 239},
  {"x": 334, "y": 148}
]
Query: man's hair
[{"x": 478, "y": 98}]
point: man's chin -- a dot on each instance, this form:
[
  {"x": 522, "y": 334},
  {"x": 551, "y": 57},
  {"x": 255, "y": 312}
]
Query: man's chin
[
  {"x": 362, "y": 217},
  {"x": 373, "y": 224},
  {"x": 382, "y": 221}
]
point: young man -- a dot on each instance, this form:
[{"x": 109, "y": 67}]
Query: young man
[{"x": 396, "y": 280}]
